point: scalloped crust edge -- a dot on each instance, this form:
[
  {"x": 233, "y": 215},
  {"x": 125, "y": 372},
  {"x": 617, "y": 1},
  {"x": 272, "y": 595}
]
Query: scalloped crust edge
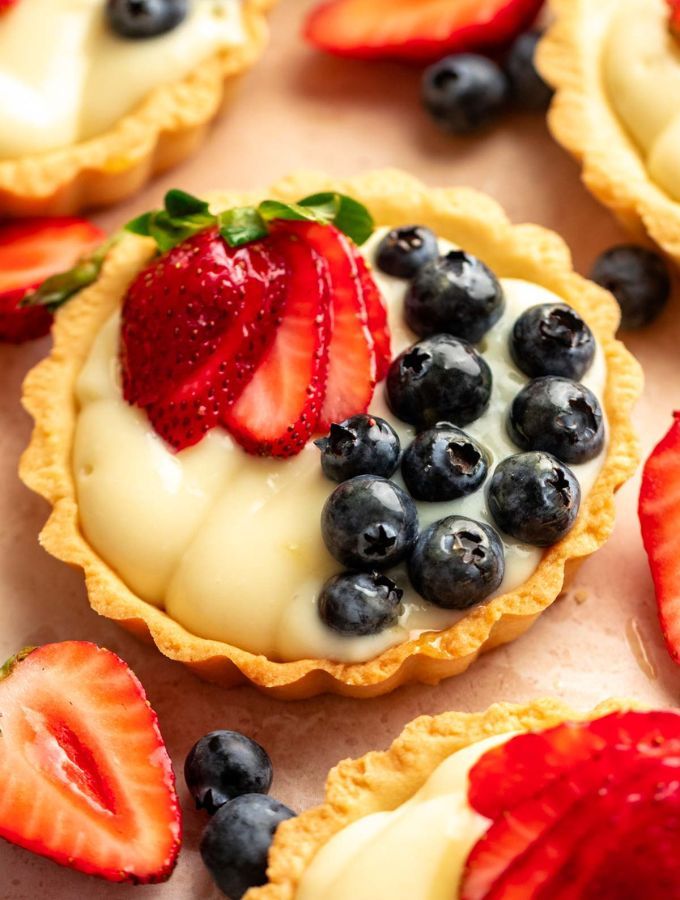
[
  {"x": 462, "y": 215},
  {"x": 381, "y": 781},
  {"x": 582, "y": 120},
  {"x": 163, "y": 130}
]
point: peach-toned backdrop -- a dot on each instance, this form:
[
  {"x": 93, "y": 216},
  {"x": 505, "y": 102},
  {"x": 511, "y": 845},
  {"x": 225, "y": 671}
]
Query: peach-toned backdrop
[{"x": 301, "y": 110}]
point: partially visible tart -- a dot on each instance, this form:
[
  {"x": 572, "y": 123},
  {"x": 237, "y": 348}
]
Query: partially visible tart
[
  {"x": 92, "y": 114},
  {"x": 615, "y": 67},
  {"x": 225, "y": 614}
]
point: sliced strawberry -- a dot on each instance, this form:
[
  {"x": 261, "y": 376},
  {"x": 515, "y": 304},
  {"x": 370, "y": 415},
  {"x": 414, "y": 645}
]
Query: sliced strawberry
[
  {"x": 351, "y": 355},
  {"x": 376, "y": 313},
  {"x": 278, "y": 411},
  {"x": 421, "y": 30},
  {"x": 659, "y": 511},
  {"x": 84, "y": 775},
  {"x": 31, "y": 251}
]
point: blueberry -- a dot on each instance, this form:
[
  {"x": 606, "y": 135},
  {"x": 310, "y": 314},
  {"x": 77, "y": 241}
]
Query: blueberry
[
  {"x": 439, "y": 379},
  {"x": 552, "y": 339},
  {"x": 527, "y": 88},
  {"x": 457, "y": 563},
  {"x": 359, "y": 603},
  {"x": 224, "y": 765},
  {"x": 145, "y": 18},
  {"x": 639, "y": 280},
  {"x": 404, "y": 250},
  {"x": 235, "y": 844},
  {"x": 361, "y": 445},
  {"x": 560, "y": 416},
  {"x": 443, "y": 463},
  {"x": 534, "y": 497},
  {"x": 369, "y": 523},
  {"x": 455, "y": 294},
  {"x": 464, "y": 92}
]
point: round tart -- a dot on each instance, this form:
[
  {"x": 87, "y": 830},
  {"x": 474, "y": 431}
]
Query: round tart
[
  {"x": 615, "y": 67},
  {"x": 120, "y": 107},
  {"x": 514, "y": 801},
  {"x": 171, "y": 532}
]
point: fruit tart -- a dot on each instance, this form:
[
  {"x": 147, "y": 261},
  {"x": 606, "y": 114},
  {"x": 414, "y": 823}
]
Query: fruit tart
[
  {"x": 615, "y": 66},
  {"x": 339, "y": 439},
  {"x": 111, "y": 92},
  {"x": 528, "y": 801}
]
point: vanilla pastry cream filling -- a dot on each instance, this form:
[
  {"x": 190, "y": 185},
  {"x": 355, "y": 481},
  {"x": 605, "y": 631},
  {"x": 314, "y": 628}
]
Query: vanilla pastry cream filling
[
  {"x": 414, "y": 852},
  {"x": 230, "y": 544},
  {"x": 641, "y": 68},
  {"x": 65, "y": 76}
]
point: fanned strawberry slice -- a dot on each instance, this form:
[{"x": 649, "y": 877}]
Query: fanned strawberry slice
[
  {"x": 84, "y": 775},
  {"x": 416, "y": 29},
  {"x": 376, "y": 314},
  {"x": 278, "y": 411},
  {"x": 659, "y": 512},
  {"x": 351, "y": 373}
]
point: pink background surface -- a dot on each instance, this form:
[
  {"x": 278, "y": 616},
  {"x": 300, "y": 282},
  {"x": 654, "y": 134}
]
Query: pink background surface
[{"x": 300, "y": 110}]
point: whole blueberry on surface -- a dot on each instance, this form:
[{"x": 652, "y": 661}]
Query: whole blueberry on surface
[
  {"x": 534, "y": 497},
  {"x": 369, "y": 523},
  {"x": 145, "y": 18},
  {"x": 639, "y": 280},
  {"x": 236, "y": 841},
  {"x": 361, "y": 445},
  {"x": 404, "y": 250},
  {"x": 439, "y": 379},
  {"x": 455, "y": 294},
  {"x": 457, "y": 563},
  {"x": 464, "y": 92},
  {"x": 560, "y": 416},
  {"x": 552, "y": 339},
  {"x": 527, "y": 88},
  {"x": 224, "y": 765},
  {"x": 360, "y": 603},
  {"x": 443, "y": 463}
]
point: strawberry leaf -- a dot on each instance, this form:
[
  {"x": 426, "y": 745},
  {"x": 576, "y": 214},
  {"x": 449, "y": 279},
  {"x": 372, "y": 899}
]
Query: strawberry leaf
[
  {"x": 242, "y": 225},
  {"x": 57, "y": 289},
  {"x": 347, "y": 214}
]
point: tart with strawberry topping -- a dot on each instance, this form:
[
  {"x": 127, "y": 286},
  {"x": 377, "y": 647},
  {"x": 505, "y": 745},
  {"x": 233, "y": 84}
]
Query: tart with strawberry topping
[
  {"x": 113, "y": 92},
  {"x": 286, "y": 463},
  {"x": 607, "y": 62},
  {"x": 519, "y": 801}
]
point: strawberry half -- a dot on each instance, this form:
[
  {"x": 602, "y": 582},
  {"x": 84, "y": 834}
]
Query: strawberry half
[
  {"x": 278, "y": 411},
  {"x": 659, "y": 511},
  {"x": 31, "y": 251},
  {"x": 420, "y": 30},
  {"x": 565, "y": 827},
  {"x": 85, "y": 778}
]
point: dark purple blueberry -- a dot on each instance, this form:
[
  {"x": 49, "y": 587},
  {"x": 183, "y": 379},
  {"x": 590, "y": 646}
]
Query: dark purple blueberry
[
  {"x": 403, "y": 251},
  {"x": 552, "y": 339},
  {"x": 361, "y": 445},
  {"x": 457, "y": 562},
  {"x": 639, "y": 280},
  {"x": 454, "y": 294},
  {"x": 145, "y": 18},
  {"x": 360, "y": 603},
  {"x": 528, "y": 90},
  {"x": 443, "y": 463},
  {"x": 464, "y": 92},
  {"x": 439, "y": 379},
  {"x": 534, "y": 497}
]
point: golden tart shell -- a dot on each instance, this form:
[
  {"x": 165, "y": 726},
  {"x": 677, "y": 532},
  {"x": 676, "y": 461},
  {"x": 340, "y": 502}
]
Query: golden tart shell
[
  {"x": 162, "y": 131},
  {"x": 582, "y": 120},
  {"x": 381, "y": 781},
  {"x": 463, "y": 216}
]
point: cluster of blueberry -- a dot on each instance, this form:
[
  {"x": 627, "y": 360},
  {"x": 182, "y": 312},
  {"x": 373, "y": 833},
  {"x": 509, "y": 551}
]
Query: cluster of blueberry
[
  {"x": 229, "y": 776},
  {"x": 439, "y": 385}
]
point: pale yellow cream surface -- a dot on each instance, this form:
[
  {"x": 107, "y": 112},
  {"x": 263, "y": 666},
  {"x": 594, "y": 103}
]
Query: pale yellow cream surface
[
  {"x": 65, "y": 76},
  {"x": 414, "y": 852},
  {"x": 230, "y": 544},
  {"x": 641, "y": 70}
]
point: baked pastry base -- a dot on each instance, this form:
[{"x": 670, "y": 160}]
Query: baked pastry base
[
  {"x": 382, "y": 781},
  {"x": 458, "y": 214},
  {"x": 582, "y": 120},
  {"x": 166, "y": 128}
]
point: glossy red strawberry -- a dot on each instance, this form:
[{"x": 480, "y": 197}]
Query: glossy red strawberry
[
  {"x": 279, "y": 409},
  {"x": 659, "y": 511},
  {"x": 84, "y": 775},
  {"x": 31, "y": 251},
  {"x": 422, "y": 30}
]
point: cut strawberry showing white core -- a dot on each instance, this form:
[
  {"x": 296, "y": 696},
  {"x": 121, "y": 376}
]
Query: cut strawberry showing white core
[{"x": 85, "y": 778}]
